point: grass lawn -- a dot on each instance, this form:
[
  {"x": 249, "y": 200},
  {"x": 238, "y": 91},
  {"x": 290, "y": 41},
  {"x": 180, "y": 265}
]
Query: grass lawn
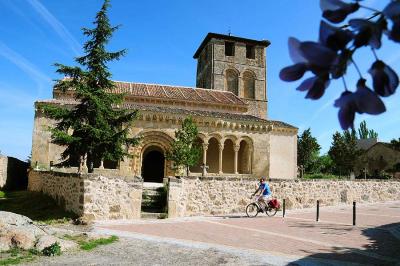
[
  {"x": 38, "y": 207},
  {"x": 85, "y": 244}
]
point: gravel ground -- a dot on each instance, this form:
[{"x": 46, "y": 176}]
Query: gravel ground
[{"x": 130, "y": 251}]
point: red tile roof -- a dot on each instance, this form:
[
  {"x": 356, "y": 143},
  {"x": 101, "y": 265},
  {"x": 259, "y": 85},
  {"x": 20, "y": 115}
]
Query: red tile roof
[{"x": 177, "y": 93}]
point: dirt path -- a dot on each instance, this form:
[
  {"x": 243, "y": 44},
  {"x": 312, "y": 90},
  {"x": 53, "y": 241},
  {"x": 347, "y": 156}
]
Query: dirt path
[{"x": 129, "y": 251}]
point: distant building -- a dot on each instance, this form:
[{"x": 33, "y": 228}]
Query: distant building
[
  {"x": 365, "y": 144},
  {"x": 376, "y": 157},
  {"x": 229, "y": 106}
]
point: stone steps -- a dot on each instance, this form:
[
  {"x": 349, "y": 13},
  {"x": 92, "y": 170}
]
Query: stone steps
[
  {"x": 153, "y": 215},
  {"x": 153, "y": 204}
]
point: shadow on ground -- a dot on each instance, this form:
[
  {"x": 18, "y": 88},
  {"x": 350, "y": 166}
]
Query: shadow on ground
[
  {"x": 38, "y": 207},
  {"x": 383, "y": 249}
]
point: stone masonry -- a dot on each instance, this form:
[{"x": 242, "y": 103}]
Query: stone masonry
[
  {"x": 222, "y": 195},
  {"x": 3, "y": 170},
  {"x": 100, "y": 197},
  {"x": 93, "y": 196},
  {"x": 13, "y": 173}
]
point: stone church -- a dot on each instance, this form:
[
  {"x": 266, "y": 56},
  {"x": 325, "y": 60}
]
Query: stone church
[{"x": 229, "y": 106}]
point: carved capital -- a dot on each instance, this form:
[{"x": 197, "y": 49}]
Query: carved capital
[
  {"x": 205, "y": 146},
  {"x": 236, "y": 148},
  {"x": 221, "y": 146}
]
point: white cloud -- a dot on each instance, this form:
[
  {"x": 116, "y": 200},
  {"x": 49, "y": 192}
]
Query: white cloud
[
  {"x": 26, "y": 66},
  {"x": 57, "y": 26}
]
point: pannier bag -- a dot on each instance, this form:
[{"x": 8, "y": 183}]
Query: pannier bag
[{"x": 274, "y": 204}]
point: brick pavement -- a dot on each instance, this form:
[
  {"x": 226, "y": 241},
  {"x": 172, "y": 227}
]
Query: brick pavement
[{"x": 298, "y": 238}]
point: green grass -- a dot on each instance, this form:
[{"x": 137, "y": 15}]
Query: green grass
[
  {"x": 38, "y": 207},
  {"x": 91, "y": 244},
  {"x": 85, "y": 244},
  {"x": 2, "y": 194},
  {"x": 16, "y": 256}
]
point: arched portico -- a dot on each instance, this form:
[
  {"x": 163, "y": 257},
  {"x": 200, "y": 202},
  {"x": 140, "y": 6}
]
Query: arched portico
[{"x": 225, "y": 154}]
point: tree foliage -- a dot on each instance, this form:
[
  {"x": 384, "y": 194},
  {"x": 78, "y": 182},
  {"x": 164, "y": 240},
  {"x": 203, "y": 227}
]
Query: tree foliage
[
  {"x": 324, "y": 164},
  {"x": 185, "y": 150},
  {"x": 365, "y": 133},
  {"x": 344, "y": 152},
  {"x": 307, "y": 150},
  {"x": 329, "y": 57},
  {"x": 99, "y": 129},
  {"x": 395, "y": 144}
]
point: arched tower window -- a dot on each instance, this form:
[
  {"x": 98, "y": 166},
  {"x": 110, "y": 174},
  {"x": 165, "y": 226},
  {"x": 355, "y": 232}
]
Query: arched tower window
[
  {"x": 232, "y": 81},
  {"x": 249, "y": 85}
]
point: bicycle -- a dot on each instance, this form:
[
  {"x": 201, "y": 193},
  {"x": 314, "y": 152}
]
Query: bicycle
[{"x": 254, "y": 208}]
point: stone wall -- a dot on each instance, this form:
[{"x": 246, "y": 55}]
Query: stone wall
[
  {"x": 13, "y": 173},
  {"x": 93, "y": 196},
  {"x": 3, "y": 171},
  {"x": 197, "y": 196}
]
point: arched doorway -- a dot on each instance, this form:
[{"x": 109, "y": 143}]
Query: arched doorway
[{"x": 153, "y": 164}]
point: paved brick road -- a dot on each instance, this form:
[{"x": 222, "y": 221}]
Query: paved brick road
[{"x": 297, "y": 238}]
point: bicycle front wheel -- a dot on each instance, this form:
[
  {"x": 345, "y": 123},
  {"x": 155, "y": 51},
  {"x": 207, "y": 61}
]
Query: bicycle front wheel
[
  {"x": 271, "y": 211},
  {"x": 252, "y": 210}
]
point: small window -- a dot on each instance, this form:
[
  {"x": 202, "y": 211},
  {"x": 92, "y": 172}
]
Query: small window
[
  {"x": 229, "y": 48},
  {"x": 250, "y": 51}
]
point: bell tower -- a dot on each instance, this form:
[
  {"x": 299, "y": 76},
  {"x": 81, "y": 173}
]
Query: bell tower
[{"x": 234, "y": 64}]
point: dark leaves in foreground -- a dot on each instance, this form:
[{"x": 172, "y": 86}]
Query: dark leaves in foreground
[
  {"x": 336, "y": 11},
  {"x": 309, "y": 56},
  {"x": 330, "y": 57},
  {"x": 392, "y": 11},
  {"x": 364, "y": 100},
  {"x": 385, "y": 80},
  {"x": 368, "y": 33}
]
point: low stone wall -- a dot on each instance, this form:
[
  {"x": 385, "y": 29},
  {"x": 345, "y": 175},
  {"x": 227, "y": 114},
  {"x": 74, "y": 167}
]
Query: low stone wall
[
  {"x": 93, "y": 196},
  {"x": 204, "y": 196},
  {"x": 13, "y": 173},
  {"x": 3, "y": 171}
]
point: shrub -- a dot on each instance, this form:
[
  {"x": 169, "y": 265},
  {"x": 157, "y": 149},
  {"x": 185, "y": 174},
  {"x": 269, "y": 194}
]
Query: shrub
[{"x": 52, "y": 250}]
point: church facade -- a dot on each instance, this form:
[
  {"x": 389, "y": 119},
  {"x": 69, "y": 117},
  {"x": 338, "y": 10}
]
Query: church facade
[{"x": 229, "y": 105}]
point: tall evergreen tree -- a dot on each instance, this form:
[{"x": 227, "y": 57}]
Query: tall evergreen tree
[
  {"x": 185, "y": 150},
  {"x": 307, "y": 150},
  {"x": 365, "y": 133},
  {"x": 99, "y": 129}
]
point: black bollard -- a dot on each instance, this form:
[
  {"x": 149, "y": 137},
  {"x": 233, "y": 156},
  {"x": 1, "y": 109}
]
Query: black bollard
[
  {"x": 317, "y": 210},
  {"x": 354, "y": 213},
  {"x": 284, "y": 208}
]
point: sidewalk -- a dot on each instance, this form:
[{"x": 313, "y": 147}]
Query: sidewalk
[{"x": 297, "y": 238}]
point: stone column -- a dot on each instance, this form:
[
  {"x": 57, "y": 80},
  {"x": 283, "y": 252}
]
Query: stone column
[
  {"x": 84, "y": 167},
  {"x": 221, "y": 149},
  {"x": 205, "y": 148},
  {"x": 101, "y": 164},
  {"x": 250, "y": 161},
  {"x": 235, "y": 162}
]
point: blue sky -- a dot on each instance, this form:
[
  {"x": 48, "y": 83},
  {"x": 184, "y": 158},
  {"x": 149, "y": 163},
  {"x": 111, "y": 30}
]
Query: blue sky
[{"x": 161, "y": 38}]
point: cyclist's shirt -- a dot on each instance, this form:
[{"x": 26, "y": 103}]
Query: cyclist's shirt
[{"x": 267, "y": 190}]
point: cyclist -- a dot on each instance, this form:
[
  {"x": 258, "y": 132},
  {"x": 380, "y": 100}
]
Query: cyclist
[{"x": 265, "y": 192}]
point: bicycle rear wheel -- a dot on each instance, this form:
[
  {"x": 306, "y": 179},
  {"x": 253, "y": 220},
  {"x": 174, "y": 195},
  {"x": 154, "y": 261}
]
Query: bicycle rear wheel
[
  {"x": 271, "y": 211},
  {"x": 252, "y": 210}
]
